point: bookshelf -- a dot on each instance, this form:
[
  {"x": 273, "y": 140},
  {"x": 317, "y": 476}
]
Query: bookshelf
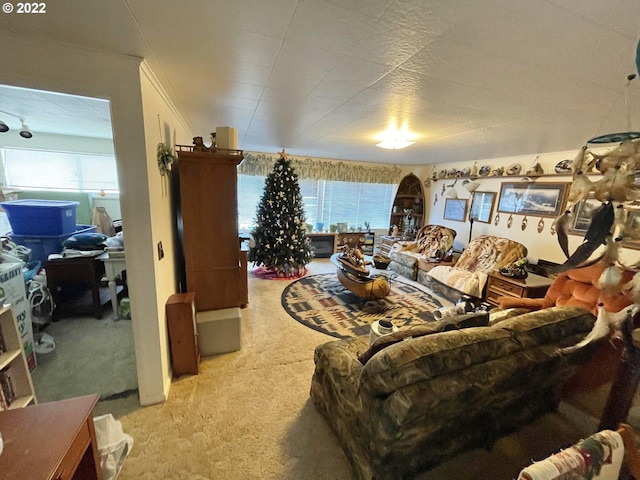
[{"x": 14, "y": 371}]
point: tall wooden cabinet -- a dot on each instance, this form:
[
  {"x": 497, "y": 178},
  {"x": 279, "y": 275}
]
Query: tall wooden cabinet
[{"x": 215, "y": 266}]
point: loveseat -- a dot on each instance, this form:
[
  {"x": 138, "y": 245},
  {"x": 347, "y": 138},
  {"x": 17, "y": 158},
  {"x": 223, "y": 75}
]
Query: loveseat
[
  {"x": 432, "y": 241},
  {"x": 429, "y": 397},
  {"x": 469, "y": 274}
]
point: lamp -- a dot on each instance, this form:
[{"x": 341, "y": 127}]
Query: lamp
[
  {"x": 471, "y": 186},
  {"x": 24, "y": 128},
  {"x": 394, "y": 138},
  {"x": 452, "y": 192}
]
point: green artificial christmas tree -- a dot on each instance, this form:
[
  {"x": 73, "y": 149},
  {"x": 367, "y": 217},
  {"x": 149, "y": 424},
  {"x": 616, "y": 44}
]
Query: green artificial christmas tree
[{"x": 279, "y": 244}]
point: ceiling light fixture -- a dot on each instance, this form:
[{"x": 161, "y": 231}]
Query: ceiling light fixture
[
  {"x": 24, "y": 129},
  {"x": 394, "y": 139}
]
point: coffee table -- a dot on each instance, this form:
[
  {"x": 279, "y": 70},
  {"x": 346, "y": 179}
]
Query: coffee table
[{"x": 359, "y": 281}]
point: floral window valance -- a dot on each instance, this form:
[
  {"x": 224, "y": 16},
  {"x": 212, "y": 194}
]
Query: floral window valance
[{"x": 262, "y": 164}]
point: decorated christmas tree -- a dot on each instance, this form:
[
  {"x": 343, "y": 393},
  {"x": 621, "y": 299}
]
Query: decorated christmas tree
[{"x": 279, "y": 244}]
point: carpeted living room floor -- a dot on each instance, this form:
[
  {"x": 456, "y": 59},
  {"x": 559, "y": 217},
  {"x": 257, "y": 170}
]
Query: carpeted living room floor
[{"x": 248, "y": 414}]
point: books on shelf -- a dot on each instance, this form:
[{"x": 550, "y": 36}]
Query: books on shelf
[{"x": 7, "y": 390}]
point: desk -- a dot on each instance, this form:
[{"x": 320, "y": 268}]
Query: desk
[
  {"x": 113, "y": 266},
  {"x": 55, "y": 440},
  {"x": 86, "y": 270}
]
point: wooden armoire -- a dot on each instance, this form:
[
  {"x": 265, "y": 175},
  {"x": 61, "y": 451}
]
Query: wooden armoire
[{"x": 215, "y": 265}]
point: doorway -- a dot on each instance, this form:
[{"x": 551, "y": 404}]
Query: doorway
[{"x": 69, "y": 155}]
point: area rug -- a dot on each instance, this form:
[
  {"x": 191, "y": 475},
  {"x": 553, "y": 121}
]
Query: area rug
[{"x": 321, "y": 302}]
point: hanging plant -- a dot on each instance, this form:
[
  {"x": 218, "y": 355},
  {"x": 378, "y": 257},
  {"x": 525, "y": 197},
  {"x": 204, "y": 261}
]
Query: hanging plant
[{"x": 165, "y": 158}]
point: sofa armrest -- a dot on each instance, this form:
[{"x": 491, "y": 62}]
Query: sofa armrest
[
  {"x": 513, "y": 302},
  {"x": 337, "y": 362}
]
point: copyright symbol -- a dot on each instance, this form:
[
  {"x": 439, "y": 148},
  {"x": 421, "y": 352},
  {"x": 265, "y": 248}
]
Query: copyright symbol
[{"x": 7, "y": 7}]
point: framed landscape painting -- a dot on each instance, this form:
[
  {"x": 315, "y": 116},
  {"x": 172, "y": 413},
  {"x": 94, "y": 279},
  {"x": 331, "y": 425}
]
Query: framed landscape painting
[{"x": 535, "y": 199}]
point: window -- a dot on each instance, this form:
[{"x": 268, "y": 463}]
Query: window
[
  {"x": 325, "y": 201},
  {"x": 42, "y": 169}
]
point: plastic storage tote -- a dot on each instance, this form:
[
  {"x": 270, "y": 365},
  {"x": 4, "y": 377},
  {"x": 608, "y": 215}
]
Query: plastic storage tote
[
  {"x": 43, "y": 245},
  {"x": 41, "y": 217}
]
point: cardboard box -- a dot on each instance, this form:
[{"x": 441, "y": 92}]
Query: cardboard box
[{"x": 13, "y": 289}]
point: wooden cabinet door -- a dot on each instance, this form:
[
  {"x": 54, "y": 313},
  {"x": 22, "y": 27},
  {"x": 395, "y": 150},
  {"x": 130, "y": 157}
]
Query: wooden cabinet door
[{"x": 210, "y": 228}]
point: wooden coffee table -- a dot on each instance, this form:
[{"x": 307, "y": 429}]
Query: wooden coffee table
[{"x": 359, "y": 281}]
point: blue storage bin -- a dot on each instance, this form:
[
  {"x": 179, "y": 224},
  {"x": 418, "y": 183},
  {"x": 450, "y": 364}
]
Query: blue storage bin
[
  {"x": 43, "y": 245},
  {"x": 41, "y": 217}
]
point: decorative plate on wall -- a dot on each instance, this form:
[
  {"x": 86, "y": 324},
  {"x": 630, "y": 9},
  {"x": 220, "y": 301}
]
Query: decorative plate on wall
[
  {"x": 485, "y": 170},
  {"x": 514, "y": 169},
  {"x": 564, "y": 166}
]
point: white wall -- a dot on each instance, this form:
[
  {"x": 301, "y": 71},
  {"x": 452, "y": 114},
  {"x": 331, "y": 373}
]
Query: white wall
[
  {"x": 162, "y": 123},
  {"x": 540, "y": 245},
  {"x": 34, "y": 64}
]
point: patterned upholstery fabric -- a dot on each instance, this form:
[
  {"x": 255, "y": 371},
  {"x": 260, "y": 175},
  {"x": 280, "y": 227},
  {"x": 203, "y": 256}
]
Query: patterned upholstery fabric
[
  {"x": 579, "y": 288},
  {"x": 409, "y": 407},
  {"x": 430, "y": 240},
  {"x": 469, "y": 275}
]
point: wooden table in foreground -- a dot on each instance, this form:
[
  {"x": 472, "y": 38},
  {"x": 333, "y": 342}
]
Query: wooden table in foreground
[{"x": 50, "y": 441}]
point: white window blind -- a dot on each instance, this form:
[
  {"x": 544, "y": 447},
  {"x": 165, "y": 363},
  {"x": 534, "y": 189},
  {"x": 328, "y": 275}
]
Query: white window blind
[
  {"x": 325, "y": 201},
  {"x": 40, "y": 169}
]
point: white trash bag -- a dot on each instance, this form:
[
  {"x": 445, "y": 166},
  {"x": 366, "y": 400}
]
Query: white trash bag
[{"x": 113, "y": 445}]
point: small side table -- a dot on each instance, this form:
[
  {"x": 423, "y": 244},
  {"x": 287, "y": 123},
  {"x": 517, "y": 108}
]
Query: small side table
[
  {"x": 113, "y": 266},
  {"x": 534, "y": 286},
  {"x": 84, "y": 270},
  {"x": 386, "y": 244}
]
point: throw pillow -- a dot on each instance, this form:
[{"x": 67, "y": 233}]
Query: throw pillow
[{"x": 467, "y": 320}]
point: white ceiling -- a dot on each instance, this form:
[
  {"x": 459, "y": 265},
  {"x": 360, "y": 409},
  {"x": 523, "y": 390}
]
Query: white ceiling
[{"x": 472, "y": 79}]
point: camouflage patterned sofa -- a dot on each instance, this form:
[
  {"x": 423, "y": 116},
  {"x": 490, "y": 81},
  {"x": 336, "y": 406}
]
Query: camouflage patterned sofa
[
  {"x": 431, "y": 241},
  {"x": 428, "y": 397}
]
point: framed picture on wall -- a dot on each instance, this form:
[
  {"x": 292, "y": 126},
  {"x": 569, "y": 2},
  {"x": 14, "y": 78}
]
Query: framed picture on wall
[
  {"x": 582, "y": 214},
  {"x": 482, "y": 206},
  {"x": 632, "y": 230},
  {"x": 455, "y": 209},
  {"x": 535, "y": 199}
]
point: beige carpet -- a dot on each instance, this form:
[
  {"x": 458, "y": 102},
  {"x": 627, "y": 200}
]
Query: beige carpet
[{"x": 248, "y": 414}]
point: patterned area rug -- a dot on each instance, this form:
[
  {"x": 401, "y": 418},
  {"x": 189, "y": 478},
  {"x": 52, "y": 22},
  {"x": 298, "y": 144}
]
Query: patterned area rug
[{"x": 322, "y": 303}]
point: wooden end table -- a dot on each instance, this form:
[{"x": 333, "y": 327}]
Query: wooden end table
[{"x": 534, "y": 286}]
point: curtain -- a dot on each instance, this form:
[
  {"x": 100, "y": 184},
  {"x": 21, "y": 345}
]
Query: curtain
[{"x": 262, "y": 164}]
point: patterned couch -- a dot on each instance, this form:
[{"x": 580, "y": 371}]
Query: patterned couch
[
  {"x": 429, "y": 397},
  {"x": 469, "y": 274},
  {"x": 431, "y": 241}
]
